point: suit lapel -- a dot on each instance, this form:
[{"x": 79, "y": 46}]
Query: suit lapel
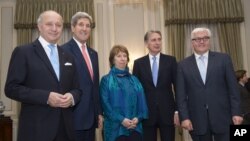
[
  {"x": 61, "y": 61},
  {"x": 148, "y": 70},
  {"x": 77, "y": 52},
  {"x": 92, "y": 58},
  {"x": 162, "y": 65},
  {"x": 42, "y": 54},
  {"x": 195, "y": 69},
  {"x": 211, "y": 61}
]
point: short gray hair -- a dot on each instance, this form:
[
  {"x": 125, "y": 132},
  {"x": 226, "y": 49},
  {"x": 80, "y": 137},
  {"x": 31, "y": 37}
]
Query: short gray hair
[
  {"x": 80, "y": 15},
  {"x": 146, "y": 36},
  {"x": 200, "y": 29}
]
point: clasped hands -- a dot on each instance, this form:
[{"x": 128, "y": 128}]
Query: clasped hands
[
  {"x": 130, "y": 124},
  {"x": 58, "y": 100}
]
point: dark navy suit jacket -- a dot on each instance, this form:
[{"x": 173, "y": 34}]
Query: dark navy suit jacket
[
  {"x": 161, "y": 97},
  {"x": 86, "y": 112},
  {"x": 30, "y": 80},
  {"x": 214, "y": 102}
]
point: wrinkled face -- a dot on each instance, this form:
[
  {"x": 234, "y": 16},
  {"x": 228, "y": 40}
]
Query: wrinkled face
[
  {"x": 51, "y": 26},
  {"x": 121, "y": 60},
  {"x": 201, "y": 42},
  {"x": 82, "y": 30},
  {"x": 154, "y": 43}
]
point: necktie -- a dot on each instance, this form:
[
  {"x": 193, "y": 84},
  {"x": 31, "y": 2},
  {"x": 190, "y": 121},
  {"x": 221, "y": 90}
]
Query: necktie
[
  {"x": 202, "y": 68},
  {"x": 154, "y": 70},
  {"x": 54, "y": 60},
  {"x": 87, "y": 60}
]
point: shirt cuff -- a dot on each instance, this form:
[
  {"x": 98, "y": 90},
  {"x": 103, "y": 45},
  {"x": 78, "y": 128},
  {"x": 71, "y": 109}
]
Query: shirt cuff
[{"x": 73, "y": 101}]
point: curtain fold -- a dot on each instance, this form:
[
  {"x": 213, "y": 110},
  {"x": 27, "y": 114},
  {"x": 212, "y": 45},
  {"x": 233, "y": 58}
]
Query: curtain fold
[
  {"x": 229, "y": 35},
  {"x": 27, "y": 12},
  {"x": 176, "y": 40},
  {"x": 200, "y": 11},
  {"x": 226, "y": 15}
]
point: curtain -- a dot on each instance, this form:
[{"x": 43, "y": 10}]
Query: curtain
[
  {"x": 27, "y": 12},
  {"x": 224, "y": 16}
]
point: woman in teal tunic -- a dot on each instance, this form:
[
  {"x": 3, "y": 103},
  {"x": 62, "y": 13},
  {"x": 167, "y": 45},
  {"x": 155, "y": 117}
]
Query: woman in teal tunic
[{"x": 123, "y": 100}]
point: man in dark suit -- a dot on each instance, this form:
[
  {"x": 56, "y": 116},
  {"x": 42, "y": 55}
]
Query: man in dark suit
[
  {"x": 247, "y": 85},
  {"x": 241, "y": 76},
  {"x": 207, "y": 96},
  {"x": 156, "y": 71},
  {"x": 44, "y": 80},
  {"x": 88, "y": 113}
]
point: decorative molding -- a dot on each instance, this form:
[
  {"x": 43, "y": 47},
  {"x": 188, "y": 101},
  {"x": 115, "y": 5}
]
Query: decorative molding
[{"x": 7, "y": 45}]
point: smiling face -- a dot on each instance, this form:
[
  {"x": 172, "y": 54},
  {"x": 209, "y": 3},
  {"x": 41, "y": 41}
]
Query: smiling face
[
  {"x": 154, "y": 43},
  {"x": 201, "y": 41},
  {"x": 81, "y": 31},
  {"x": 50, "y": 25}
]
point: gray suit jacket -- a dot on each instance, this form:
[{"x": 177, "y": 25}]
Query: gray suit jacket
[{"x": 214, "y": 102}]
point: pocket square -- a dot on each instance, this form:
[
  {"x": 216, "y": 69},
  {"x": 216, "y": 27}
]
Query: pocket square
[{"x": 68, "y": 64}]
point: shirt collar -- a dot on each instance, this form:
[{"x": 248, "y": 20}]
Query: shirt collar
[
  {"x": 44, "y": 42},
  {"x": 157, "y": 56},
  {"x": 79, "y": 43},
  {"x": 198, "y": 55}
]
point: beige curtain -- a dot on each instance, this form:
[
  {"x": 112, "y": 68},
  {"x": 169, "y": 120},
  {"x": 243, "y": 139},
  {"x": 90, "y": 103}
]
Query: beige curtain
[
  {"x": 27, "y": 12},
  {"x": 225, "y": 14}
]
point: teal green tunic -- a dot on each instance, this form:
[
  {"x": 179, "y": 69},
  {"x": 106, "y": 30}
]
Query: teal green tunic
[{"x": 122, "y": 96}]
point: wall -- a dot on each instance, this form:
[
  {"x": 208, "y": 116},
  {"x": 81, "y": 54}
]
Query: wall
[
  {"x": 119, "y": 22},
  {"x": 7, "y": 43},
  {"x": 245, "y": 30}
]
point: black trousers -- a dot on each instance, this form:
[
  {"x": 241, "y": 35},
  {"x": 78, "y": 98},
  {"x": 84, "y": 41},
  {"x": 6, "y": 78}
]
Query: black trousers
[
  {"x": 134, "y": 136},
  {"x": 167, "y": 132},
  {"x": 210, "y": 136},
  {"x": 62, "y": 134},
  {"x": 85, "y": 135}
]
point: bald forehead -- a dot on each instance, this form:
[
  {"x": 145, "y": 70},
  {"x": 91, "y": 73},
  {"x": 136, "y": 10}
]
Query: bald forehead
[{"x": 47, "y": 14}]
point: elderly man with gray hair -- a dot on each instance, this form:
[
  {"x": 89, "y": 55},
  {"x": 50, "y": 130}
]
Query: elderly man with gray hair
[
  {"x": 88, "y": 113},
  {"x": 207, "y": 96}
]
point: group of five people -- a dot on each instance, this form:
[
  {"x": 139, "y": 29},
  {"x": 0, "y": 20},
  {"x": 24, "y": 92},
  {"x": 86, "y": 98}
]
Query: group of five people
[{"x": 61, "y": 99}]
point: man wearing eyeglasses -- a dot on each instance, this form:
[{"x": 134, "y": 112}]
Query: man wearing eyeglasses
[{"x": 207, "y": 96}]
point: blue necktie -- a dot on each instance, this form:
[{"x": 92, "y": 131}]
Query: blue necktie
[
  {"x": 202, "y": 68},
  {"x": 154, "y": 70},
  {"x": 54, "y": 59}
]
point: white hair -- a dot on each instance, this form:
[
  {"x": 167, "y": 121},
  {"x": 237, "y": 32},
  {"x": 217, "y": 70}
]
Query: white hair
[{"x": 200, "y": 29}]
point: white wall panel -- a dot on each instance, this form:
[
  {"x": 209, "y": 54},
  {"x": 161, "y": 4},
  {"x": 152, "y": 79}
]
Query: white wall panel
[
  {"x": 129, "y": 28},
  {"x": 7, "y": 26}
]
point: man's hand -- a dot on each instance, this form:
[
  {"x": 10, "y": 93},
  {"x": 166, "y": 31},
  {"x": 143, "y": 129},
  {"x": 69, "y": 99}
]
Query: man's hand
[
  {"x": 176, "y": 119},
  {"x": 237, "y": 120},
  {"x": 187, "y": 124},
  {"x": 54, "y": 99},
  {"x": 100, "y": 121},
  {"x": 59, "y": 100}
]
